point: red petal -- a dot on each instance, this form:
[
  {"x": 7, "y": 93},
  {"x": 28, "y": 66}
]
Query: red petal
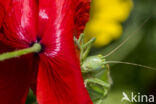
[
  {"x": 5, "y": 4},
  {"x": 45, "y": 7},
  {"x": 3, "y": 7},
  {"x": 81, "y": 16},
  {"x": 59, "y": 76},
  {"x": 60, "y": 81},
  {"x": 20, "y": 23},
  {"x": 15, "y": 77},
  {"x": 1, "y": 15}
]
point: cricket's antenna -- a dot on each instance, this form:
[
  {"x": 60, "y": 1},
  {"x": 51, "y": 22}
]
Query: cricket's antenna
[
  {"x": 129, "y": 63},
  {"x": 122, "y": 43}
]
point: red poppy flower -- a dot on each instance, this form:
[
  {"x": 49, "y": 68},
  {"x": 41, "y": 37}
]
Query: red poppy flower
[{"x": 54, "y": 73}]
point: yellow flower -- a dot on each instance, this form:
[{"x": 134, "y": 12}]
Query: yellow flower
[{"x": 105, "y": 19}]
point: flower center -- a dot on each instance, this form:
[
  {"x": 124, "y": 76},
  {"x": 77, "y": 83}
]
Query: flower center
[{"x": 38, "y": 41}]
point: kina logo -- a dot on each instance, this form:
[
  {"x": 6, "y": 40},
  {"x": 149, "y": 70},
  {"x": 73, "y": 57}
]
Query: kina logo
[{"x": 138, "y": 98}]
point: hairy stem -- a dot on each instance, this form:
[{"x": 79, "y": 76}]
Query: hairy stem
[{"x": 35, "y": 48}]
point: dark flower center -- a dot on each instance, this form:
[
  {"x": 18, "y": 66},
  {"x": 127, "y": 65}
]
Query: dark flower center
[{"x": 38, "y": 39}]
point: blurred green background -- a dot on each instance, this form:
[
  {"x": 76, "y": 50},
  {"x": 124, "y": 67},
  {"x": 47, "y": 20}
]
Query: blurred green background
[{"x": 141, "y": 49}]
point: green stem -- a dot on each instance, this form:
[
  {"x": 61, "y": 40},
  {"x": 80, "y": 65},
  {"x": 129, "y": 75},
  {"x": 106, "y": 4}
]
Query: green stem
[{"x": 35, "y": 48}]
